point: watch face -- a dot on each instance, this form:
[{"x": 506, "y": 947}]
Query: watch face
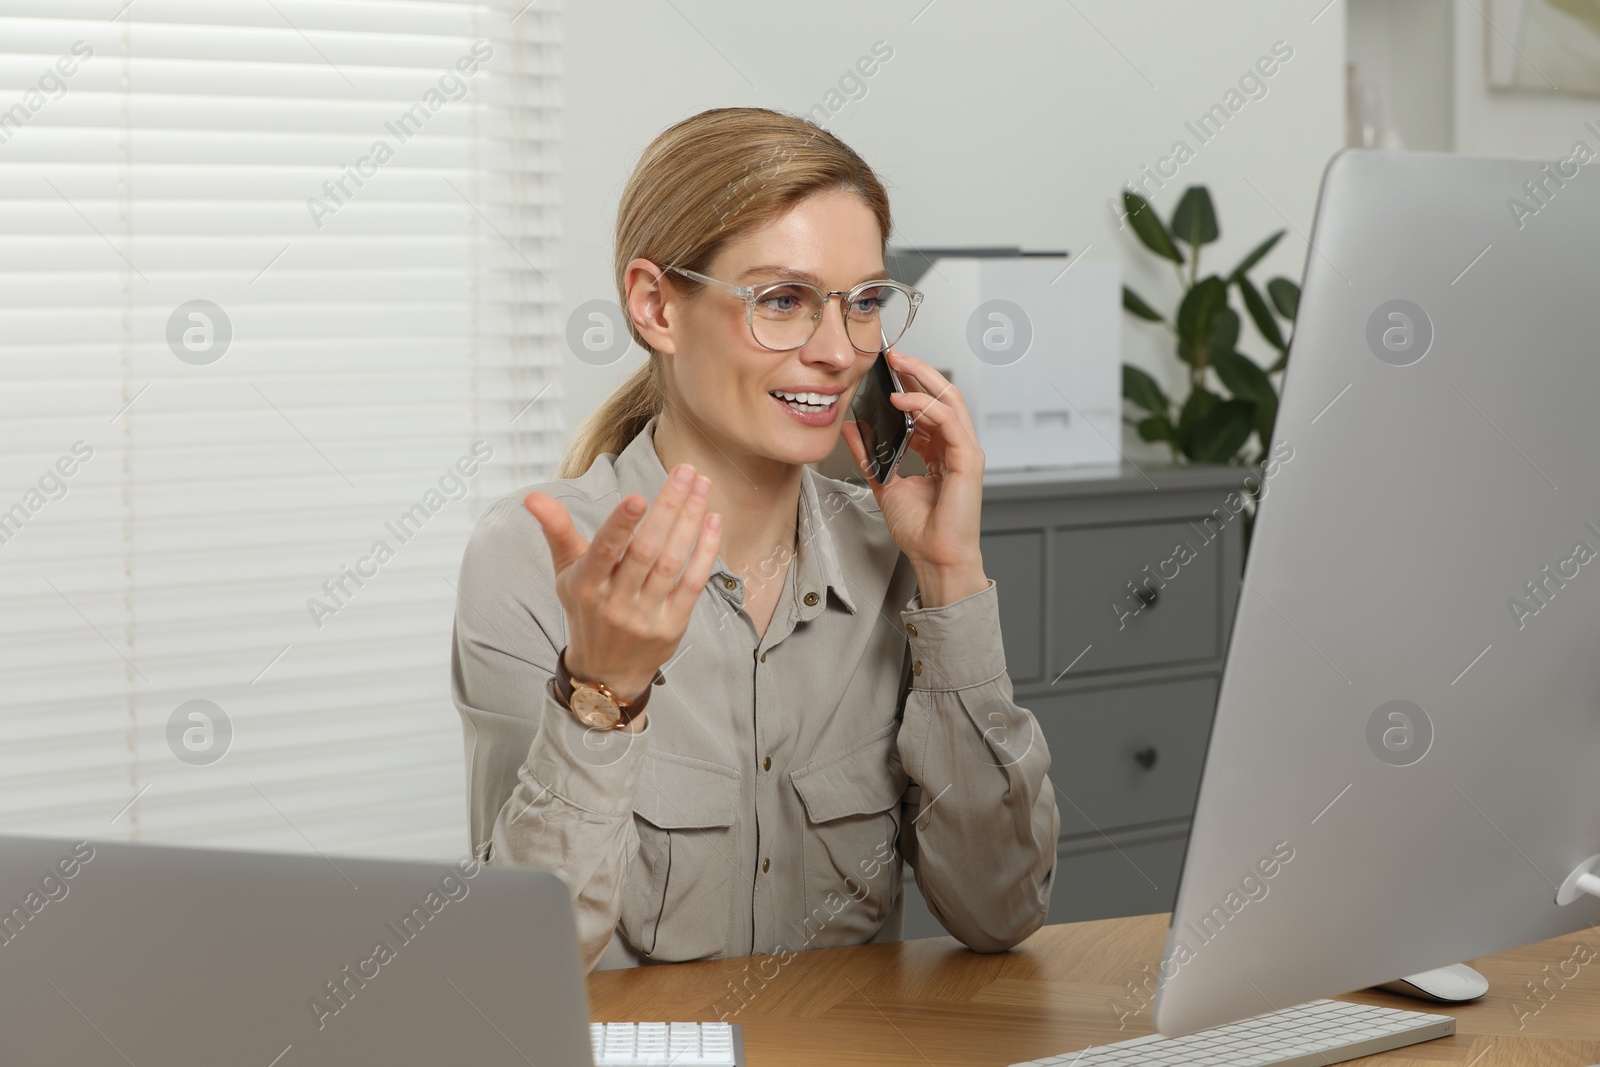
[{"x": 595, "y": 708}]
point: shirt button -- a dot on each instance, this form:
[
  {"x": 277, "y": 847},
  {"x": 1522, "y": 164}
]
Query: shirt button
[
  {"x": 911, "y": 628},
  {"x": 730, "y": 583},
  {"x": 916, "y": 668},
  {"x": 763, "y": 657},
  {"x": 811, "y": 600},
  {"x": 766, "y": 764},
  {"x": 765, "y": 864}
]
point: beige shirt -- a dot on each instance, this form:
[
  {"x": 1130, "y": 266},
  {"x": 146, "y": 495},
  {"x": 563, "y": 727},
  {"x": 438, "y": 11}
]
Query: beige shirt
[{"x": 768, "y": 802}]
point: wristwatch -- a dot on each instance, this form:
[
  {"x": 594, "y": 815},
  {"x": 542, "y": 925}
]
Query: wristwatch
[{"x": 594, "y": 703}]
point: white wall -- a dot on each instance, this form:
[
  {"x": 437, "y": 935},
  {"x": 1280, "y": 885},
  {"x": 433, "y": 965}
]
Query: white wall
[{"x": 1010, "y": 122}]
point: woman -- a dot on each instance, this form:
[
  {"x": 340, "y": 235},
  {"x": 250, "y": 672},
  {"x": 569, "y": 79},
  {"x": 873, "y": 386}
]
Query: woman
[{"x": 830, "y": 688}]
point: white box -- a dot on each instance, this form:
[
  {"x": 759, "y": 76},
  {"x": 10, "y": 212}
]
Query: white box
[{"x": 1034, "y": 345}]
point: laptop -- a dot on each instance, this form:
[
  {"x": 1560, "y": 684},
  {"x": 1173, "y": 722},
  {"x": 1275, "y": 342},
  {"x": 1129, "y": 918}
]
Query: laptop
[{"x": 117, "y": 954}]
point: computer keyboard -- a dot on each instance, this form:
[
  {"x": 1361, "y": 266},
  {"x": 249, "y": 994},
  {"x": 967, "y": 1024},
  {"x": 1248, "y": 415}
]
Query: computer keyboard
[
  {"x": 664, "y": 1044},
  {"x": 1321, "y": 1032}
]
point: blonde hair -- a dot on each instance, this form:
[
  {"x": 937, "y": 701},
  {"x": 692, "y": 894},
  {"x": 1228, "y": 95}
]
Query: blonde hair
[{"x": 700, "y": 184}]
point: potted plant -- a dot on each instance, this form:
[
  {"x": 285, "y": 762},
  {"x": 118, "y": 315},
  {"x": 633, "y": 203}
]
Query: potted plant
[{"x": 1232, "y": 402}]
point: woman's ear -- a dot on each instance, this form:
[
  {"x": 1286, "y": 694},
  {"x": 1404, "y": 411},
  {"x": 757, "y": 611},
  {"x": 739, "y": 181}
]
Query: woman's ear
[{"x": 648, "y": 297}]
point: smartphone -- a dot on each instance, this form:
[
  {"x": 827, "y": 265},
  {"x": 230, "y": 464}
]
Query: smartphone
[{"x": 885, "y": 429}]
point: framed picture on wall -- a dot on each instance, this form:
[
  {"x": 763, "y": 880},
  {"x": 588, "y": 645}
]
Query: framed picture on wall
[{"x": 1550, "y": 46}]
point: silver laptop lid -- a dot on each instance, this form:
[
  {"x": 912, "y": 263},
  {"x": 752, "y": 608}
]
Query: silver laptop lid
[{"x": 115, "y": 953}]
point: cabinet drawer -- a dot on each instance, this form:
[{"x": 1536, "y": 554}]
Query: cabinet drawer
[
  {"x": 1015, "y": 560},
  {"x": 1135, "y": 878},
  {"x": 1093, "y": 569},
  {"x": 1128, "y": 756}
]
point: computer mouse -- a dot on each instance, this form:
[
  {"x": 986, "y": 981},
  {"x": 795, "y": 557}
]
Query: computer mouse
[{"x": 1444, "y": 985}]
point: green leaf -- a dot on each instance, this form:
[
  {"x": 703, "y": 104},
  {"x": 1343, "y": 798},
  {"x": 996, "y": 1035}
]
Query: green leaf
[
  {"x": 1157, "y": 428},
  {"x": 1285, "y": 297},
  {"x": 1224, "y": 429},
  {"x": 1245, "y": 379},
  {"x": 1255, "y": 257},
  {"x": 1199, "y": 306},
  {"x": 1264, "y": 420},
  {"x": 1147, "y": 227},
  {"x": 1283, "y": 361},
  {"x": 1198, "y": 404},
  {"x": 1141, "y": 389},
  {"x": 1223, "y": 333},
  {"x": 1131, "y": 302},
  {"x": 1195, "y": 220},
  {"x": 1260, "y": 314}
]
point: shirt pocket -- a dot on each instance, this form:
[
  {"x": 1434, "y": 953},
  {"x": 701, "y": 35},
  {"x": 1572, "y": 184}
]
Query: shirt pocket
[
  {"x": 679, "y": 897},
  {"x": 852, "y": 872}
]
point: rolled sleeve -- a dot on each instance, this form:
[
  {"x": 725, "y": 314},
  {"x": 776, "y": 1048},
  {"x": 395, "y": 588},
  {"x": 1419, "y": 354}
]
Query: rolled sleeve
[
  {"x": 596, "y": 770},
  {"x": 958, "y": 644},
  {"x": 542, "y": 789},
  {"x": 980, "y": 826}
]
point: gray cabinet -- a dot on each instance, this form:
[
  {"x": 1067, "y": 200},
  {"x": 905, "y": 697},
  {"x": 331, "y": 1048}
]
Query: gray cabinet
[{"x": 1117, "y": 589}]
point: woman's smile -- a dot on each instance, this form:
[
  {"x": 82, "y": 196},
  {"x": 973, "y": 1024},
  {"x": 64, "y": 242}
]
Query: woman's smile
[{"x": 809, "y": 409}]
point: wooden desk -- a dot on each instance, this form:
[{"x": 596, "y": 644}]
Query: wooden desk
[{"x": 934, "y": 1002}]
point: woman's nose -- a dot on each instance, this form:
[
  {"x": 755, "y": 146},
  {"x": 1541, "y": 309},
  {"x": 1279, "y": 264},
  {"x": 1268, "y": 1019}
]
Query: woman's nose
[{"x": 831, "y": 342}]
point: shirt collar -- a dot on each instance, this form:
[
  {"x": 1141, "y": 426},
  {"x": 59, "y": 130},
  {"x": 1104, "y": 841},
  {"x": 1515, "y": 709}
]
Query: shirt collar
[{"x": 639, "y": 470}]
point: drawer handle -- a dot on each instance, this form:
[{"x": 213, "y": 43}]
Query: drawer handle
[
  {"x": 1146, "y": 595},
  {"x": 1146, "y": 757}
]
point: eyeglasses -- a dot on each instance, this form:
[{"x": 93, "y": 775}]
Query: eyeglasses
[{"x": 785, "y": 315}]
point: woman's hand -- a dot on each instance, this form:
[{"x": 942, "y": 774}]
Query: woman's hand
[
  {"x": 627, "y": 608},
  {"x": 933, "y": 517}
]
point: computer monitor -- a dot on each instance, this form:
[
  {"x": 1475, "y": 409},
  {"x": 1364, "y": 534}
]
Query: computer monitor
[{"x": 1402, "y": 771}]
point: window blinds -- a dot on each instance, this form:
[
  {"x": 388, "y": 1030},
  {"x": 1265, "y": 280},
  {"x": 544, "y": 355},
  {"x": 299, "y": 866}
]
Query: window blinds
[{"x": 277, "y": 323}]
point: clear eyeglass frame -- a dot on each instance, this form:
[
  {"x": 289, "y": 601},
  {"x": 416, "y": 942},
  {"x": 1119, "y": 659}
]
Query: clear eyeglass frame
[{"x": 751, "y": 294}]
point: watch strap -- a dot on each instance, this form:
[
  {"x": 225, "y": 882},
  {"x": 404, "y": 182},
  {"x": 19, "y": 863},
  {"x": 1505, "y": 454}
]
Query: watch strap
[{"x": 627, "y": 710}]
